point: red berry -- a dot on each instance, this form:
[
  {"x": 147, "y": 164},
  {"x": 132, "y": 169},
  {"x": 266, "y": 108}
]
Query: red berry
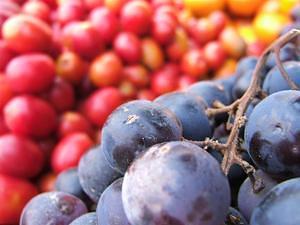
[
  {"x": 30, "y": 73},
  {"x": 61, "y": 95},
  {"x": 137, "y": 75},
  {"x": 214, "y": 54},
  {"x": 20, "y": 157},
  {"x": 72, "y": 122},
  {"x": 146, "y": 95},
  {"x": 128, "y": 47},
  {"x": 194, "y": 64},
  {"x": 185, "y": 81},
  {"x": 37, "y": 9},
  {"x": 136, "y": 17},
  {"x": 15, "y": 193},
  {"x": 69, "y": 150},
  {"x": 29, "y": 115},
  {"x": 70, "y": 11},
  {"x": 101, "y": 103},
  {"x": 106, "y": 70},
  {"x": 106, "y": 23}
]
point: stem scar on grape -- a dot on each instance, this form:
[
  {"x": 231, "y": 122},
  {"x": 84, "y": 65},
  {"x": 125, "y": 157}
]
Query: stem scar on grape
[{"x": 237, "y": 110}]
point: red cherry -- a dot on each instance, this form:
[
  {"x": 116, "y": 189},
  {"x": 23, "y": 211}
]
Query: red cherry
[
  {"x": 30, "y": 116},
  {"x": 70, "y": 11},
  {"x": 69, "y": 150},
  {"x": 214, "y": 54},
  {"x": 194, "y": 64},
  {"x": 20, "y": 157},
  {"x": 128, "y": 47}
]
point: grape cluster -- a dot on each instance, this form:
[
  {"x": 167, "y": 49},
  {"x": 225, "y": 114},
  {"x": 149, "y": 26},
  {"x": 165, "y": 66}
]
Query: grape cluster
[{"x": 158, "y": 162}]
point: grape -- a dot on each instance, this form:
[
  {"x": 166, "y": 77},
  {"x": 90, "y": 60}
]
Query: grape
[
  {"x": 272, "y": 134},
  {"x": 52, "y": 208},
  {"x": 110, "y": 209},
  {"x": 280, "y": 206},
  {"x": 190, "y": 110},
  {"x": 175, "y": 183},
  {"x": 274, "y": 81},
  {"x": 86, "y": 219},
  {"x": 68, "y": 181},
  {"x": 210, "y": 91},
  {"x": 135, "y": 126},
  {"x": 228, "y": 83},
  {"x": 246, "y": 64},
  {"x": 95, "y": 174},
  {"x": 234, "y": 217},
  {"x": 287, "y": 53},
  {"x": 247, "y": 199},
  {"x": 241, "y": 85}
]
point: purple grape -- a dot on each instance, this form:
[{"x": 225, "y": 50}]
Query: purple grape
[
  {"x": 280, "y": 206},
  {"x": 110, "y": 209},
  {"x": 68, "y": 181},
  {"x": 190, "y": 110},
  {"x": 175, "y": 183},
  {"x": 274, "y": 81},
  {"x": 246, "y": 64},
  {"x": 247, "y": 199},
  {"x": 57, "y": 208},
  {"x": 272, "y": 134},
  {"x": 95, "y": 174},
  {"x": 86, "y": 219},
  {"x": 234, "y": 217},
  {"x": 135, "y": 126}
]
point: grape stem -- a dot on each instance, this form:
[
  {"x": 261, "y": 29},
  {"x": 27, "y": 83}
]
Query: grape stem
[{"x": 238, "y": 108}]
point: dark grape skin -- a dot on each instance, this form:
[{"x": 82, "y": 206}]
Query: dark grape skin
[
  {"x": 135, "y": 126},
  {"x": 246, "y": 64},
  {"x": 210, "y": 91},
  {"x": 86, "y": 219},
  {"x": 274, "y": 82},
  {"x": 190, "y": 187},
  {"x": 241, "y": 85},
  {"x": 234, "y": 217},
  {"x": 247, "y": 199},
  {"x": 228, "y": 83},
  {"x": 110, "y": 209},
  {"x": 52, "y": 208},
  {"x": 95, "y": 174},
  {"x": 287, "y": 53},
  {"x": 190, "y": 110},
  {"x": 68, "y": 181},
  {"x": 280, "y": 206},
  {"x": 272, "y": 134}
]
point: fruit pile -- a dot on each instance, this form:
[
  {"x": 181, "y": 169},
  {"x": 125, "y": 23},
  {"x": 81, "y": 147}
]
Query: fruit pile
[{"x": 66, "y": 65}]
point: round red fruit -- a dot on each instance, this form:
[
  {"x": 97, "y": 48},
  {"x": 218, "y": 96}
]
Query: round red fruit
[
  {"x": 194, "y": 64},
  {"x": 70, "y": 67},
  {"x": 128, "y": 46},
  {"x": 30, "y": 116},
  {"x": 37, "y": 9},
  {"x": 163, "y": 29},
  {"x": 30, "y": 73},
  {"x": 15, "y": 193},
  {"x": 70, "y": 11},
  {"x": 214, "y": 55},
  {"x": 72, "y": 122},
  {"x": 101, "y": 103},
  {"x": 20, "y": 157},
  {"x": 146, "y": 94},
  {"x": 6, "y": 54},
  {"x": 219, "y": 20},
  {"x": 6, "y": 92},
  {"x": 106, "y": 23},
  {"x": 61, "y": 95},
  {"x": 24, "y": 33},
  {"x": 69, "y": 150},
  {"x": 82, "y": 38},
  {"x": 136, "y": 17},
  {"x": 204, "y": 31},
  {"x": 137, "y": 75},
  {"x": 165, "y": 80},
  {"x": 185, "y": 81},
  {"x": 106, "y": 70}
]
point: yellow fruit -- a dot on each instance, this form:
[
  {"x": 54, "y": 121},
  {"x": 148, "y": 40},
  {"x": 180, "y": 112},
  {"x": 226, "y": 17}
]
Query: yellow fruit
[
  {"x": 267, "y": 26},
  {"x": 203, "y": 7},
  {"x": 243, "y": 7},
  {"x": 287, "y": 5}
]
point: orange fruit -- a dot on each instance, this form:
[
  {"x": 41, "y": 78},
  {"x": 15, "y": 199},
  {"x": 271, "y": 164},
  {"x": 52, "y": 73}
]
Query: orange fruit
[
  {"x": 267, "y": 26},
  {"x": 203, "y": 7},
  {"x": 243, "y": 7}
]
